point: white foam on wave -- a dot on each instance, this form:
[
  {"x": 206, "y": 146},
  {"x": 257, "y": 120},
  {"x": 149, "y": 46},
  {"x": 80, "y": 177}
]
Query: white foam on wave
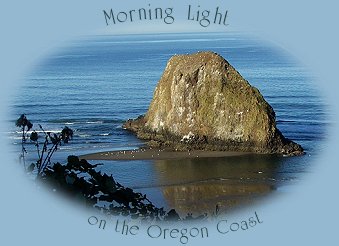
[
  {"x": 84, "y": 135},
  {"x": 94, "y": 122},
  {"x": 40, "y": 131}
]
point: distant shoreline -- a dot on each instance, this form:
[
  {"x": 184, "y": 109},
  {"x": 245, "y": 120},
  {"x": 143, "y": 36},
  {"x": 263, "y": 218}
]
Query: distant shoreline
[{"x": 157, "y": 154}]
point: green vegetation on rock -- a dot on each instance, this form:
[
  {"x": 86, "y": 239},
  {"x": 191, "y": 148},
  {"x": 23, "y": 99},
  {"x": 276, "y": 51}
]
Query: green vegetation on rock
[{"x": 202, "y": 102}]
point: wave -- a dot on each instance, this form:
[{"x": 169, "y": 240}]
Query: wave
[
  {"x": 310, "y": 122},
  {"x": 85, "y": 121},
  {"x": 94, "y": 122},
  {"x": 40, "y": 131},
  {"x": 84, "y": 135}
]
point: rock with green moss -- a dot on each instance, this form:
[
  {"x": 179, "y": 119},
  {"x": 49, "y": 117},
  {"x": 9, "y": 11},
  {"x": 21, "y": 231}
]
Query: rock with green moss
[{"x": 202, "y": 102}]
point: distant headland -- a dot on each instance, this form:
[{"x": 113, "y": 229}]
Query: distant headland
[{"x": 202, "y": 103}]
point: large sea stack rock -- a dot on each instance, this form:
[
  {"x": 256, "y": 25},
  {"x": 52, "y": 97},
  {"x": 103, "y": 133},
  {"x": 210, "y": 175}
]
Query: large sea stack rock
[{"x": 202, "y": 102}]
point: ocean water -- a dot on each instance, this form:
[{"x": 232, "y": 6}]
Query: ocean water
[{"x": 96, "y": 83}]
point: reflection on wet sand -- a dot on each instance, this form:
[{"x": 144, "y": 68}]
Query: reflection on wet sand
[
  {"x": 200, "y": 198},
  {"x": 200, "y": 185}
]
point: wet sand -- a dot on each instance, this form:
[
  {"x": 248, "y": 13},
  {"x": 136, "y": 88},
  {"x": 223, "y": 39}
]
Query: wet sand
[
  {"x": 157, "y": 154},
  {"x": 196, "y": 188}
]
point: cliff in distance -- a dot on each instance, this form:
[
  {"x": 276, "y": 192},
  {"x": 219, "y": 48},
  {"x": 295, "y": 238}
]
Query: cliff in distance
[{"x": 202, "y": 103}]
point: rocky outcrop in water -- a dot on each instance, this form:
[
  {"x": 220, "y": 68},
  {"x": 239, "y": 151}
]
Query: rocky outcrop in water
[{"x": 202, "y": 102}]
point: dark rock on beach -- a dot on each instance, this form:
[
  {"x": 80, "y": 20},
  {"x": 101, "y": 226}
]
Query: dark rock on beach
[{"x": 202, "y": 103}]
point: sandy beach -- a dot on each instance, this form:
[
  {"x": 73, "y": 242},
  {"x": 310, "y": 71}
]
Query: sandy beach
[{"x": 156, "y": 154}]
